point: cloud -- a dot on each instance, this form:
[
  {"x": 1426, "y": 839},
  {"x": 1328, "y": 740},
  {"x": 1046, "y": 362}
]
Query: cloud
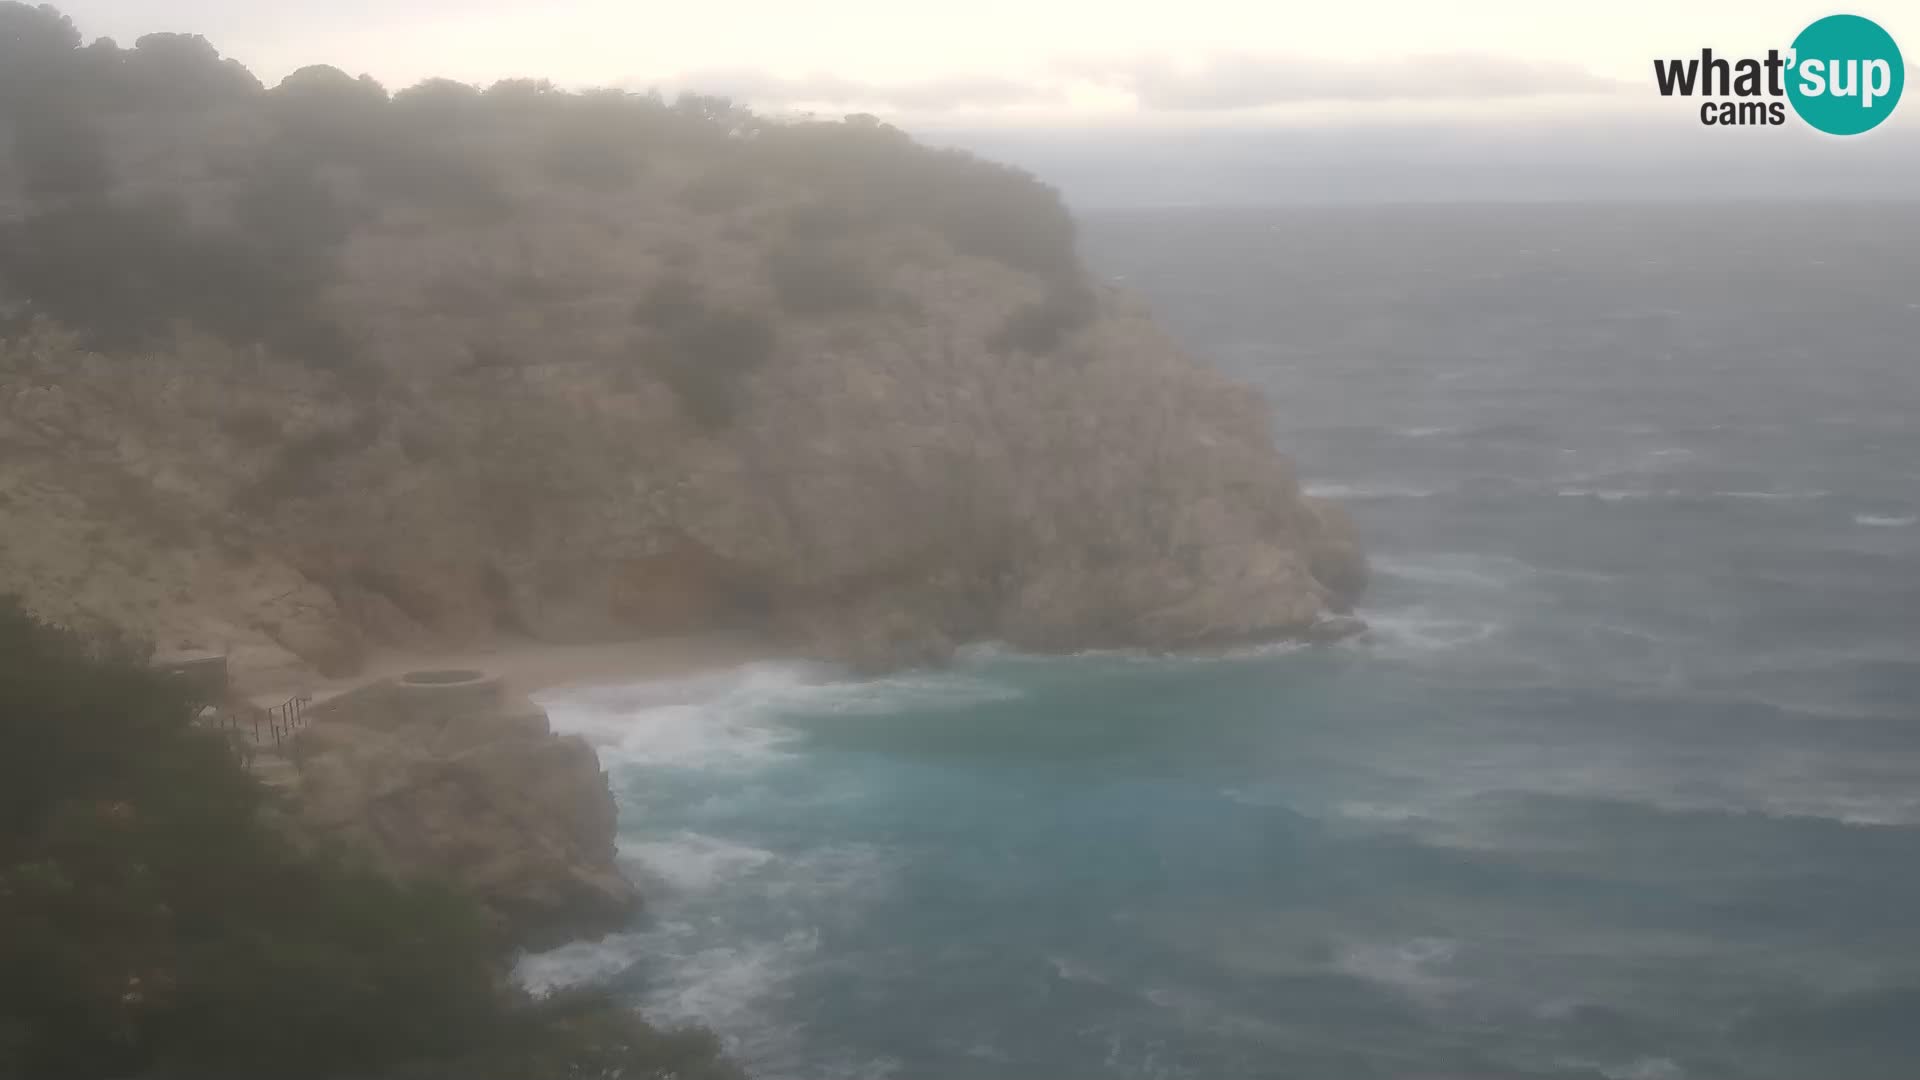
[
  {"x": 932, "y": 95},
  {"x": 1220, "y": 83},
  {"x": 1245, "y": 81}
]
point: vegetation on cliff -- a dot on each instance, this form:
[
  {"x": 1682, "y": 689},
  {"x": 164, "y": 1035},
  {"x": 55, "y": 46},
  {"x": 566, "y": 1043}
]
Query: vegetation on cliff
[
  {"x": 153, "y": 922},
  {"x": 304, "y": 371},
  {"x": 99, "y": 251}
]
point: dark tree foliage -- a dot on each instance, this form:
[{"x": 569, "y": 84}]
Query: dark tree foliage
[
  {"x": 153, "y": 924},
  {"x": 710, "y": 357},
  {"x": 720, "y": 190},
  {"x": 818, "y": 279},
  {"x": 707, "y": 109},
  {"x": 437, "y": 101},
  {"x": 328, "y": 113},
  {"x": 298, "y": 467},
  {"x": 285, "y": 206},
  {"x": 984, "y": 209},
  {"x": 60, "y": 155},
  {"x": 671, "y": 305},
  {"x": 27, "y": 31},
  {"x": 524, "y": 93},
  {"x": 125, "y": 274},
  {"x": 400, "y": 147},
  {"x": 47, "y": 101},
  {"x": 150, "y": 921},
  {"x": 594, "y": 142},
  {"x": 1042, "y": 326},
  {"x": 705, "y": 351},
  {"x": 183, "y": 71}
]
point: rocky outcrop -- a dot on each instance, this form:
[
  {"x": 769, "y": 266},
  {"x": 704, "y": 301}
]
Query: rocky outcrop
[
  {"x": 876, "y": 504},
  {"x": 437, "y": 775},
  {"x": 804, "y": 377}
]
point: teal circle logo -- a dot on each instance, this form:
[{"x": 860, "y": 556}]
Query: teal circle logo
[{"x": 1846, "y": 75}]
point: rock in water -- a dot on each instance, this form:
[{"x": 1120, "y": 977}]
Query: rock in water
[{"x": 442, "y": 777}]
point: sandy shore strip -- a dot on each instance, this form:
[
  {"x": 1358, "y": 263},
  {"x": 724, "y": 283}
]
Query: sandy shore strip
[{"x": 525, "y": 667}]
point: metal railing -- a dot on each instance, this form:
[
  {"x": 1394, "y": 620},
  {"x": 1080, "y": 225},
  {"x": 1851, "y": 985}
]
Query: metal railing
[
  {"x": 277, "y": 723},
  {"x": 283, "y": 719}
]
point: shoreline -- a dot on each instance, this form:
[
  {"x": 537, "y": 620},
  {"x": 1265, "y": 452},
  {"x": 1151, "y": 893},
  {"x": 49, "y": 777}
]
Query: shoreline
[{"x": 525, "y": 667}]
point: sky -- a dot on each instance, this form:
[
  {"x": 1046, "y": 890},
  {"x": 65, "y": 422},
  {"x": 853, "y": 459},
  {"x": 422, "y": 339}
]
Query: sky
[
  {"x": 1185, "y": 60},
  {"x": 1020, "y": 75}
]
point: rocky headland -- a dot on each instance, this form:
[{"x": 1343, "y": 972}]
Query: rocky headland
[{"x": 304, "y": 373}]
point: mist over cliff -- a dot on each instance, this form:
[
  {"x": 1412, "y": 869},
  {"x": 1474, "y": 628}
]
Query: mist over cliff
[{"x": 307, "y": 371}]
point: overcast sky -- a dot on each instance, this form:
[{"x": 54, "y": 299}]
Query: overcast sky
[
  {"x": 1008, "y": 60},
  {"x": 1401, "y": 83}
]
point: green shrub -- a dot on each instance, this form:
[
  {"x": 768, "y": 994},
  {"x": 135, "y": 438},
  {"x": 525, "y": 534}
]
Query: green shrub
[
  {"x": 672, "y": 304},
  {"x": 298, "y": 467},
  {"x": 433, "y": 104},
  {"x": 702, "y": 352},
  {"x": 814, "y": 279},
  {"x": 710, "y": 357},
  {"x": 125, "y": 274},
  {"x": 152, "y": 923},
  {"x": 251, "y": 427},
  {"x": 718, "y": 191},
  {"x": 982, "y": 208},
  {"x": 1042, "y": 326},
  {"x": 182, "y": 71},
  {"x": 589, "y": 159},
  {"x": 285, "y": 205},
  {"x": 60, "y": 155}
]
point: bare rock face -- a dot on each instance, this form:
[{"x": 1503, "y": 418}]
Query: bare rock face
[
  {"x": 607, "y": 411},
  {"x": 1335, "y": 557},
  {"x": 436, "y": 775}
]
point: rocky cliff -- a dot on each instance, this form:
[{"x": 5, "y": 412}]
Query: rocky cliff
[
  {"x": 303, "y": 371},
  {"x": 438, "y": 775}
]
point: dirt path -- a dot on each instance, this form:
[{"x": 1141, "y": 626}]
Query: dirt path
[{"x": 525, "y": 667}]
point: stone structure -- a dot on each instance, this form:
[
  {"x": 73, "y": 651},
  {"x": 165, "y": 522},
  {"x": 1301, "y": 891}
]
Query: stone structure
[{"x": 441, "y": 775}]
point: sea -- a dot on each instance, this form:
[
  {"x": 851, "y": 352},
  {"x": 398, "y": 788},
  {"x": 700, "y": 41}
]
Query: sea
[{"x": 1623, "y": 783}]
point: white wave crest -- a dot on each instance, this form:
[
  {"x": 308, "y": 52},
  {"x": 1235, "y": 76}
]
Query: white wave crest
[
  {"x": 1473, "y": 571},
  {"x": 1378, "y": 811},
  {"x": 1404, "y": 965},
  {"x": 703, "y": 965},
  {"x": 1073, "y": 970},
  {"x": 731, "y": 721},
  {"x": 1603, "y": 494},
  {"x": 1636, "y": 494},
  {"x": 691, "y": 862},
  {"x": 1414, "y": 631},
  {"x": 1770, "y": 496},
  {"x": 1646, "y": 1069},
  {"x": 580, "y": 963},
  {"x": 1885, "y": 521},
  {"x": 718, "y": 722},
  {"x": 1367, "y": 491},
  {"x": 724, "y": 986}
]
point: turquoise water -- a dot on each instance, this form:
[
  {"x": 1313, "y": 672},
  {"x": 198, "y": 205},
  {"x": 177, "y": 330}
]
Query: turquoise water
[{"x": 1625, "y": 783}]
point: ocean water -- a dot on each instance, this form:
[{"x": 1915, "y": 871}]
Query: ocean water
[{"x": 1624, "y": 784}]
